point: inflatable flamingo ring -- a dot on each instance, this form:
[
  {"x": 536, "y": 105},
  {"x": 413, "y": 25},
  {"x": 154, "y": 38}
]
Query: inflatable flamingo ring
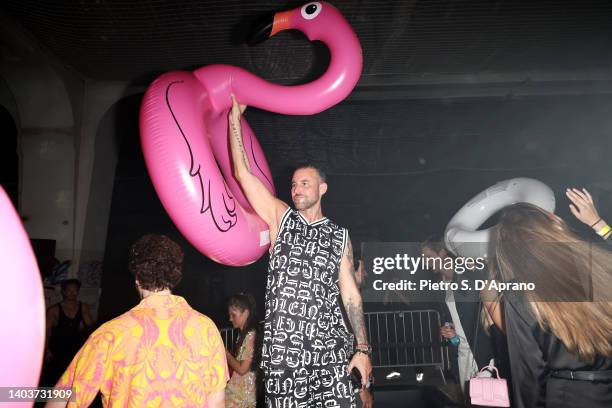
[
  {"x": 183, "y": 126},
  {"x": 22, "y": 334},
  {"x": 462, "y": 236}
]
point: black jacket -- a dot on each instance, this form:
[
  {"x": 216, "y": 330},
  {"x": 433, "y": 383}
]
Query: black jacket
[{"x": 534, "y": 352}]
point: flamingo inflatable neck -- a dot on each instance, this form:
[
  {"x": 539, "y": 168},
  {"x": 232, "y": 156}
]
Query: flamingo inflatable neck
[{"x": 333, "y": 86}]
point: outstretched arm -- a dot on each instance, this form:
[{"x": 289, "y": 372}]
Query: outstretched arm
[
  {"x": 268, "y": 207},
  {"x": 354, "y": 310}
]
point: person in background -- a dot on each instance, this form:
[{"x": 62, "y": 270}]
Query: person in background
[
  {"x": 67, "y": 323},
  {"x": 584, "y": 210},
  {"x": 560, "y": 343},
  {"x": 360, "y": 272},
  {"x": 464, "y": 331},
  {"x": 365, "y": 394},
  {"x": 159, "y": 353},
  {"x": 241, "y": 388}
]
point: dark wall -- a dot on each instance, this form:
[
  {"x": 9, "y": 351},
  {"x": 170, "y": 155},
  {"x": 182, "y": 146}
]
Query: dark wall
[
  {"x": 9, "y": 160},
  {"x": 398, "y": 170}
]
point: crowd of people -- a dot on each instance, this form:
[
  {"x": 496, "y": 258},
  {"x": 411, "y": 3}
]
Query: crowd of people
[
  {"x": 312, "y": 349},
  {"x": 554, "y": 344}
]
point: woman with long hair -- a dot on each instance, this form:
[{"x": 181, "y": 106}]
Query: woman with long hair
[
  {"x": 560, "y": 332},
  {"x": 241, "y": 388}
]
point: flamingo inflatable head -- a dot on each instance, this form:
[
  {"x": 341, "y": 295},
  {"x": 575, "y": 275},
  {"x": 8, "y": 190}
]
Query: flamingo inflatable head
[
  {"x": 317, "y": 20},
  {"x": 184, "y": 134},
  {"x": 299, "y": 18}
]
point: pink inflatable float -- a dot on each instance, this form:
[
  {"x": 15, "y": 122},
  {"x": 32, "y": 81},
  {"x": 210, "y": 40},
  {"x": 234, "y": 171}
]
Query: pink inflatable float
[
  {"x": 22, "y": 304},
  {"x": 183, "y": 126}
]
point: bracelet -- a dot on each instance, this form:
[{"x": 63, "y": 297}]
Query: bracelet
[
  {"x": 604, "y": 231},
  {"x": 364, "y": 348},
  {"x": 595, "y": 223},
  {"x": 366, "y": 352}
]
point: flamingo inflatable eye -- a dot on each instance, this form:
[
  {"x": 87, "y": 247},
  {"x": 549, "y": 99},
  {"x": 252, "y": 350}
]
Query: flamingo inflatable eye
[{"x": 311, "y": 10}]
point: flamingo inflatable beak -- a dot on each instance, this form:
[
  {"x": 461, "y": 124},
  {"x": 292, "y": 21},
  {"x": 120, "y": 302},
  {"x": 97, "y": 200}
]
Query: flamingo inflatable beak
[{"x": 268, "y": 25}]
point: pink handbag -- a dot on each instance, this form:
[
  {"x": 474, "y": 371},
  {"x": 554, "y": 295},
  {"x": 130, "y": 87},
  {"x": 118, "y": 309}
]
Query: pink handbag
[{"x": 489, "y": 392}]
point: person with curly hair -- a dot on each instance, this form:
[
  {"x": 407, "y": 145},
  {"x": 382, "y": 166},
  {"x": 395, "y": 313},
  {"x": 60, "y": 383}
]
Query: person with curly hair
[{"x": 161, "y": 352}]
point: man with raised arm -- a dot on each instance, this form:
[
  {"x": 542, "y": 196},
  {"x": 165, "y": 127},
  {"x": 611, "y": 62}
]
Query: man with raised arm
[{"x": 306, "y": 343}]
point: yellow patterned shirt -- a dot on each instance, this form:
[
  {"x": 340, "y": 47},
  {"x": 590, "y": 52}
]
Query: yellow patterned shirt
[{"x": 161, "y": 353}]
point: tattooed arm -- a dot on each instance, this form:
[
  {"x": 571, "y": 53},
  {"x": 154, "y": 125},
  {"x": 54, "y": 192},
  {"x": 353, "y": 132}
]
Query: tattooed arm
[
  {"x": 268, "y": 207},
  {"x": 354, "y": 310},
  {"x": 350, "y": 294}
]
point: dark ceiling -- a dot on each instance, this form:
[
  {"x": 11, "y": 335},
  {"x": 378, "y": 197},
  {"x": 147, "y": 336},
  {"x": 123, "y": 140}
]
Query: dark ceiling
[{"x": 402, "y": 40}]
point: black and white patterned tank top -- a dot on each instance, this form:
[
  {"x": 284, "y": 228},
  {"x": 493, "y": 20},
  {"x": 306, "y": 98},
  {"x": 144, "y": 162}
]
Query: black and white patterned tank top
[{"x": 304, "y": 326}]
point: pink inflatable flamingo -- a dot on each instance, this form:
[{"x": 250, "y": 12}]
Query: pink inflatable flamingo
[
  {"x": 22, "y": 304},
  {"x": 183, "y": 124}
]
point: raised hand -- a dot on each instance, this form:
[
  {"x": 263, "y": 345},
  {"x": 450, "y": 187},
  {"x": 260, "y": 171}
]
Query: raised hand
[
  {"x": 583, "y": 207},
  {"x": 236, "y": 111}
]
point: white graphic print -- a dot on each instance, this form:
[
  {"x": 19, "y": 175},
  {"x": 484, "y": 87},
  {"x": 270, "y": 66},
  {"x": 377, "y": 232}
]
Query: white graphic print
[{"x": 306, "y": 344}]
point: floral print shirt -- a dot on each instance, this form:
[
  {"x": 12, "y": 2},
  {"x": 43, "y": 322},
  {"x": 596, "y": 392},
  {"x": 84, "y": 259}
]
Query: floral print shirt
[{"x": 160, "y": 353}]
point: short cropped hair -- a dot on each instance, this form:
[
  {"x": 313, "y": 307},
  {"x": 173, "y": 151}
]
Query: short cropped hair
[
  {"x": 320, "y": 171},
  {"x": 156, "y": 262},
  {"x": 65, "y": 283}
]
